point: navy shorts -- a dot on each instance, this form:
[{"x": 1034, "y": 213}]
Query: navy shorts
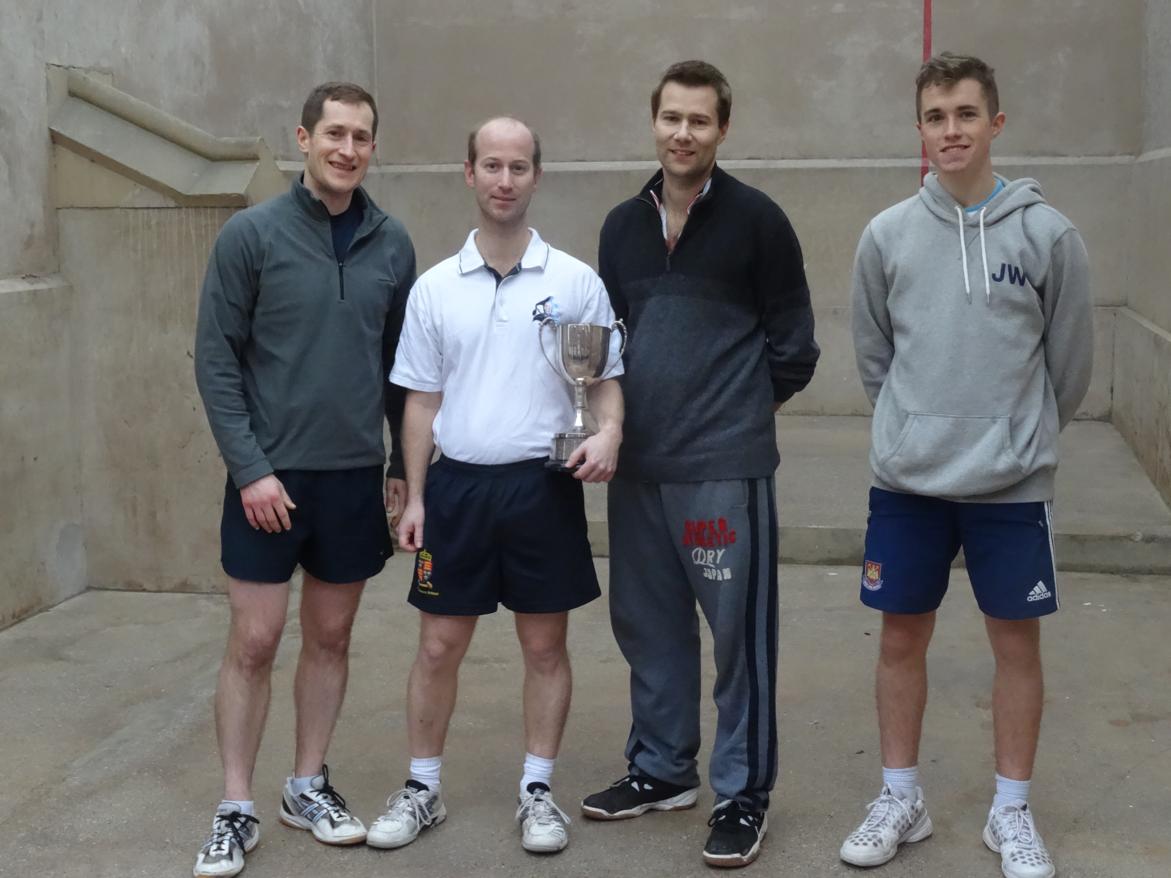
[
  {"x": 912, "y": 540},
  {"x": 511, "y": 534},
  {"x": 339, "y": 532}
]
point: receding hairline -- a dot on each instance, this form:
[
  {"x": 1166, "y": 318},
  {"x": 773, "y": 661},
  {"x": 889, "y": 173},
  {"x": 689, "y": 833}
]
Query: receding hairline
[{"x": 510, "y": 122}]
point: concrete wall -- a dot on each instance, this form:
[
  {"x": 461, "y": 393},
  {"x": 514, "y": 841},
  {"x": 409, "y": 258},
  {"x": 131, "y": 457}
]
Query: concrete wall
[
  {"x": 825, "y": 79},
  {"x": 42, "y": 541},
  {"x": 232, "y": 67},
  {"x": 1142, "y": 409},
  {"x": 153, "y": 477}
]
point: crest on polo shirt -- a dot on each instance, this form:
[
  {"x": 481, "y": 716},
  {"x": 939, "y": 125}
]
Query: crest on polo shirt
[
  {"x": 547, "y": 309},
  {"x": 872, "y": 575}
]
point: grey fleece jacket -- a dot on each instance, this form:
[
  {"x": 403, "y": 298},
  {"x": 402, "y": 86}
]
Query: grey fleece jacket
[
  {"x": 292, "y": 346},
  {"x": 974, "y": 340}
]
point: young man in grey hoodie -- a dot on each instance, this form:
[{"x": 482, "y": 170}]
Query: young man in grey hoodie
[{"x": 973, "y": 369}]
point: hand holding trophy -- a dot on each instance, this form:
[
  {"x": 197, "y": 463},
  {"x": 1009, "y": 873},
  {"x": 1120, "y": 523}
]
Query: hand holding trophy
[{"x": 584, "y": 350}]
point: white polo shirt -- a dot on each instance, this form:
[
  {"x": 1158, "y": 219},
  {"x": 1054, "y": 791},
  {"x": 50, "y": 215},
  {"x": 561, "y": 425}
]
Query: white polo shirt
[{"x": 478, "y": 343}]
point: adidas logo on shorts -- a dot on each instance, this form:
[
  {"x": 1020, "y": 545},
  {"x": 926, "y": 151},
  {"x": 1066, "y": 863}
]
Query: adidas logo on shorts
[{"x": 1039, "y": 592}]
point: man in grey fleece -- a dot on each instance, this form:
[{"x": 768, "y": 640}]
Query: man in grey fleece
[
  {"x": 973, "y": 334},
  {"x": 298, "y": 322}
]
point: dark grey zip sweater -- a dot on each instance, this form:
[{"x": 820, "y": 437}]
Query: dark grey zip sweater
[
  {"x": 720, "y": 330},
  {"x": 293, "y": 346}
]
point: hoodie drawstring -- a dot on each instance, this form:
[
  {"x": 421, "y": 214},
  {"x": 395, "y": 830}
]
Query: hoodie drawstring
[
  {"x": 964, "y": 253},
  {"x": 964, "y": 256}
]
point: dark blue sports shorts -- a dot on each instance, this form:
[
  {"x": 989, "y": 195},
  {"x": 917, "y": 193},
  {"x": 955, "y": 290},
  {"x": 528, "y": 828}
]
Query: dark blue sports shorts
[
  {"x": 339, "y": 534},
  {"x": 912, "y": 540},
  {"x": 511, "y": 534}
]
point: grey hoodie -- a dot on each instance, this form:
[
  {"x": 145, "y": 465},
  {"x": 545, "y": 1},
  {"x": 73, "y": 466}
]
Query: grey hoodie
[{"x": 974, "y": 339}]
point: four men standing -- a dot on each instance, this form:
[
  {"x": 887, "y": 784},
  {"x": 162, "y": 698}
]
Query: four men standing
[{"x": 299, "y": 321}]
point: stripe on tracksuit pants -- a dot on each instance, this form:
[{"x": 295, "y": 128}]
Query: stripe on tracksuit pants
[{"x": 715, "y": 543}]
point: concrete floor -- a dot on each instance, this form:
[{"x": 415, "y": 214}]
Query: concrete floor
[{"x": 111, "y": 765}]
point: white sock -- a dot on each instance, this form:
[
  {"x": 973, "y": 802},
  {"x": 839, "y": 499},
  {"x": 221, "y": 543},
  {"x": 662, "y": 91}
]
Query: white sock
[
  {"x": 227, "y": 806},
  {"x": 903, "y": 782},
  {"x": 298, "y": 785},
  {"x": 537, "y": 770},
  {"x": 426, "y": 771},
  {"x": 1009, "y": 791}
]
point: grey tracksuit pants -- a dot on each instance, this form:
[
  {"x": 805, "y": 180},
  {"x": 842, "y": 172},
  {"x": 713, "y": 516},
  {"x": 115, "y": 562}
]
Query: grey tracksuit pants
[{"x": 673, "y": 545}]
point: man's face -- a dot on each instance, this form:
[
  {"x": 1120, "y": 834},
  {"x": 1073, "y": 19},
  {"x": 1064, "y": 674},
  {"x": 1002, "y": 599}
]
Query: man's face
[
  {"x": 503, "y": 177},
  {"x": 337, "y": 151},
  {"x": 955, "y": 127},
  {"x": 687, "y": 132}
]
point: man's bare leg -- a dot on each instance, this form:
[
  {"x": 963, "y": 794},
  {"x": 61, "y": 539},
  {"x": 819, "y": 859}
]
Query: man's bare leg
[
  {"x": 434, "y": 680},
  {"x": 245, "y": 682},
  {"x": 548, "y": 682},
  {"x": 1018, "y": 694},
  {"x": 901, "y": 686},
  {"x": 327, "y": 618}
]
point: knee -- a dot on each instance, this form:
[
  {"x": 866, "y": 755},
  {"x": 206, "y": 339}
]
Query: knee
[
  {"x": 904, "y": 643},
  {"x": 438, "y": 655},
  {"x": 253, "y": 648},
  {"x": 333, "y": 640},
  {"x": 545, "y": 655}
]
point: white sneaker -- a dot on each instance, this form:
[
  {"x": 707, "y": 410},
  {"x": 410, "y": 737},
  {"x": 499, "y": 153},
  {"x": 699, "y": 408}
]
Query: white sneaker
[
  {"x": 542, "y": 824},
  {"x": 322, "y": 811},
  {"x": 232, "y": 836},
  {"x": 408, "y": 812},
  {"x": 891, "y": 822},
  {"x": 1010, "y": 832}
]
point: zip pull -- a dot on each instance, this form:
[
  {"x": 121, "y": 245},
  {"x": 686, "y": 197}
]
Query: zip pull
[{"x": 341, "y": 281}]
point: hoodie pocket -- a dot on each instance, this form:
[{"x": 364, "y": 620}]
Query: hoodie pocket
[{"x": 949, "y": 456}]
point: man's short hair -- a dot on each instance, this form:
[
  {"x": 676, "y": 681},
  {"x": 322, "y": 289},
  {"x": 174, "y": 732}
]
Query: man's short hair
[
  {"x": 948, "y": 68},
  {"x": 475, "y": 131},
  {"x": 696, "y": 74},
  {"x": 343, "y": 92}
]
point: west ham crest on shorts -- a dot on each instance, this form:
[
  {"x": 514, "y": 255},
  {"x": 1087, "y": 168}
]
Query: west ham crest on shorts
[
  {"x": 423, "y": 573},
  {"x": 872, "y": 576}
]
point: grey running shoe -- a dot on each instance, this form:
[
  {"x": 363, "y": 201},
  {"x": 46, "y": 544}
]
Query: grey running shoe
[
  {"x": 322, "y": 811},
  {"x": 543, "y": 826},
  {"x": 232, "y": 836},
  {"x": 408, "y": 812}
]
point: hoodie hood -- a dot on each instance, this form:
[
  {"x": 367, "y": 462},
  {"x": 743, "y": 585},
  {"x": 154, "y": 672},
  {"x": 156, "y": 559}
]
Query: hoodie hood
[{"x": 1016, "y": 195}]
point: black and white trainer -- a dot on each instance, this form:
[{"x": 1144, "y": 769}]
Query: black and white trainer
[
  {"x": 736, "y": 835},
  {"x": 322, "y": 811},
  {"x": 232, "y": 836},
  {"x": 634, "y": 795}
]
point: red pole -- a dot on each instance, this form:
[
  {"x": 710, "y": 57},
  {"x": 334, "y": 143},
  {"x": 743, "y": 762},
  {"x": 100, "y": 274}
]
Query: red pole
[{"x": 926, "y": 54}]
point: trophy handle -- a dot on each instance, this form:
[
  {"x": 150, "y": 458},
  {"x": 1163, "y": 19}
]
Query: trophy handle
[
  {"x": 620, "y": 327},
  {"x": 548, "y": 321}
]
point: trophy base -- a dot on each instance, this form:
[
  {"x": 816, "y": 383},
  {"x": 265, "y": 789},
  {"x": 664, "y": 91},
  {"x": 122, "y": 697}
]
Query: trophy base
[{"x": 564, "y": 444}]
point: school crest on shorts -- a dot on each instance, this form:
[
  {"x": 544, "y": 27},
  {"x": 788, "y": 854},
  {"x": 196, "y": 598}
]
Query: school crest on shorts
[
  {"x": 872, "y": 576},
  {"x": 423, "y": 574}
]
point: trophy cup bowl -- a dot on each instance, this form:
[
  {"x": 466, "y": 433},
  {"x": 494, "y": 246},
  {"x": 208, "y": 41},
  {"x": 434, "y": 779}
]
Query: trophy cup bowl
[{"x": 584, "y": 353}]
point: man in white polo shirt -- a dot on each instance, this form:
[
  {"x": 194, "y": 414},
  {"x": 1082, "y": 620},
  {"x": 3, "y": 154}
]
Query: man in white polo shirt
[{"x": 501, "y": 528}]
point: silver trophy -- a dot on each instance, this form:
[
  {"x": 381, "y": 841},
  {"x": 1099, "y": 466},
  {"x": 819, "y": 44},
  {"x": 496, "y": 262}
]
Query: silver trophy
[{"x": 584, "y": 354}]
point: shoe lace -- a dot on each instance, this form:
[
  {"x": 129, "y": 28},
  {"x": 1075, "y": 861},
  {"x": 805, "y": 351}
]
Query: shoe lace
[
  {"x": 225, "y": 829},
  {"x": 1016, "y": 825},
  {"x": 329, "y": 798},
  {"x": 734, "y": 812},
  {"x": 541, "y": 809},
  {"x": 882, "y": 809},
  {"x": 408, "y": 801}
]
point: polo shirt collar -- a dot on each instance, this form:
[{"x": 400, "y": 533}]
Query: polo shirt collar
[{"x": 536, "y": 254}]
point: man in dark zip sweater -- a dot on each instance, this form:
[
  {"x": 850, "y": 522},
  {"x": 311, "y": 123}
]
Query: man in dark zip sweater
[
  {"x": 708, "y": 275},
  {"x": 299, "y": 319}
]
